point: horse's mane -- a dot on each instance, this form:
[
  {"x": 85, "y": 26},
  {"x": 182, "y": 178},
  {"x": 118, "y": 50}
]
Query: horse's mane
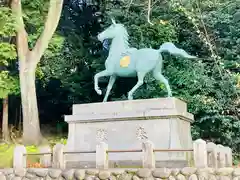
[{"x": 125, "y": 35}]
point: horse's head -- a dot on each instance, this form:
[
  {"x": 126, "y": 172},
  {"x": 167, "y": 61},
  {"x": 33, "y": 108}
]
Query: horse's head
[{"x": 112, "y": 31}]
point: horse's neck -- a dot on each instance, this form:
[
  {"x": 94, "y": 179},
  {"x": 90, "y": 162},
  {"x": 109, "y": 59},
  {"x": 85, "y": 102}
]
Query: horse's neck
[{"x": 117, "y": 47}]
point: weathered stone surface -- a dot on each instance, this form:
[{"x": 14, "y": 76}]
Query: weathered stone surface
[
  {"x": 104, "y": 174},
  {"x": 135, "y": 177},
  {"x": 125, "y": 176},
  {"x": 236, "y": 172},
  {"x": 181, "y": 177},
  {"x": 149, "y": 178},
  {"x": 144, "y": 173},
  {"x": 117, "y": 172},
  {"x": 24, "y": 178},
  {"x": 89, "y": 177},
  {"x": 9, "y": 176},
  {"x": 203, "y": 176},
  {"x": 171, "y": 178},
  {"x": 7, "y": 171},
  {"x": 161, "y": 173},
  {"x": 92, "y": 172},
  {"x": 68, "y": 174},
  {"x": 211, "y": 171},
  {"x": 121, "y": 174},
  {"x": 193, "y": 177},
  {"x": 133, "y": 171},
  {"x": 79, "y": 174},
  {"x": 20, "y": 172},
  {"x": 31, "y": 170},
  {"x": 236, "y": 178},
  {"x": 38, "y": 178},
  {"x": 30, "y": 175},
  {"x": 112, "y": 178},
  {"x": 224, "y": 171},
  {"x": 203, "y": 170},
  {"x": 212, "y": 177},
  {"x": 92, "y": 112},
  {"x": 203, "y": 173},
  {"x": 41, "y": 172},
  {"x": 175, "y": 172},
  {"x": 54, "y": 173},
  {"x": 187, "y": 171},
  {"x": 224, "y": 178},
  {"x": 16, "y": 178},
  {"x": 3, "y": 177},
  {"x": 47, "y": 178}
]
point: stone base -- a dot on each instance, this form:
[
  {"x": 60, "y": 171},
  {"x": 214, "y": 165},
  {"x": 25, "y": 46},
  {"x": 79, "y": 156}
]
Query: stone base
[{"x": 164, "y": 121}]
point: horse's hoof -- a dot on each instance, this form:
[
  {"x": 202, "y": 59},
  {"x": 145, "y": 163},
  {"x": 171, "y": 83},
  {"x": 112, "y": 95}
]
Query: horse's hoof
[
  {"x": 130, "y": 98},
  {"x": 99, "y": 92}
]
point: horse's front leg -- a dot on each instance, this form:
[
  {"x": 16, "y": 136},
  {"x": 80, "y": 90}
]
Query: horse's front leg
[
  {"x": 109, "y": 87},
  {"x": 96, "y": 78}
]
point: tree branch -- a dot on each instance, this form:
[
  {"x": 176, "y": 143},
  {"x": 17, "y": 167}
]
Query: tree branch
[
  {"x": 22, "y": 37},
  {"x": 149, "y": 12},
  {"x": 54, "y": 13}
]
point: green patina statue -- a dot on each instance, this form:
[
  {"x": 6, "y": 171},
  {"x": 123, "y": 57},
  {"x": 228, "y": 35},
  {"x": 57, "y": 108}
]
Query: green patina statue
[{"x": 124, "y": 61}]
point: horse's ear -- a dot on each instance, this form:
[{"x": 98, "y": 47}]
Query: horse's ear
[{"x": 113, "y": 21}]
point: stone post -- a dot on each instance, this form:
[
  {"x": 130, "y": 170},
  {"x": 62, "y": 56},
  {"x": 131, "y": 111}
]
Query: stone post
[
  {"x": 46, "y": 159},
  {"x": 200, "y": 153},
  {"x": 148, "y": 160},
  {"x": 19, "y": 157},
  {"x": 101, "y": 156},
  {"x": 212, "y": 155},
  {"x": 58, "y": 157},
  {"x": 221, "y": 156},
  {"x": 228, "y": 152}
]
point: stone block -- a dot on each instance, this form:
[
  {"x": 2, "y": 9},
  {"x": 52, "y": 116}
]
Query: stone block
[
  {"x": 19, "y": 157},
  {"x": 58, "y": 156},
  {"x": 148, "y": 155},
  {"x": 101, "y": 156},
  {"x": 121, "y": 120},
  {"x": 46, "y": 159},
  {"x": 200, "y": 153}
]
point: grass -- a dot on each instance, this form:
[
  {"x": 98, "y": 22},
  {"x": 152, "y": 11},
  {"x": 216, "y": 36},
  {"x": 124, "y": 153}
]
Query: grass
[{"x": 6, "y": 156}]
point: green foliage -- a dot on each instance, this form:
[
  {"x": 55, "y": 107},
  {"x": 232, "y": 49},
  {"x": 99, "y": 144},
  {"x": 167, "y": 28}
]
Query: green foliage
[
  {"x": 35, "y": 14},
  {"x": 7, "y": 29},
  {"x": 210, "y": 85},
  {"x": 216, "y": 110},
  {"x": 7, "y": 52},
  {"x": 8, "y": 83},
  {"x": 7, "y": 25}
]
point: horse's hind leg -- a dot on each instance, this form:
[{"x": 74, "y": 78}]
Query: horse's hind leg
[
  {"x": 141, "y": 76},
  {"x": 159, "y": 77},
  {"x": 109, "y": 87}
]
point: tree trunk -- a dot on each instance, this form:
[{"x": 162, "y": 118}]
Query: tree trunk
[
  {"x": 28, "y": 60},
  {"x": 5, "y": 130},
  {"x": 31, "y": 127}
]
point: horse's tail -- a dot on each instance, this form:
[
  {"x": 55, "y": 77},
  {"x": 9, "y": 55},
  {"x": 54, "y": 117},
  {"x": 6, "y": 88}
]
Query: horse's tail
[{"x": 172, "y": 49}]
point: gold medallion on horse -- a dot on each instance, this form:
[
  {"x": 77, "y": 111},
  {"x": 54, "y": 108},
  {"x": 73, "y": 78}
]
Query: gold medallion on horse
[{"x": 125, "y": 61}]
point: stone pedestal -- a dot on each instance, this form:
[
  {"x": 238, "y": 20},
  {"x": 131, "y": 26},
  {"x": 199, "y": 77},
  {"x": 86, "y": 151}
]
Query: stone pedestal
[{"x": 164, "y": 121}]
